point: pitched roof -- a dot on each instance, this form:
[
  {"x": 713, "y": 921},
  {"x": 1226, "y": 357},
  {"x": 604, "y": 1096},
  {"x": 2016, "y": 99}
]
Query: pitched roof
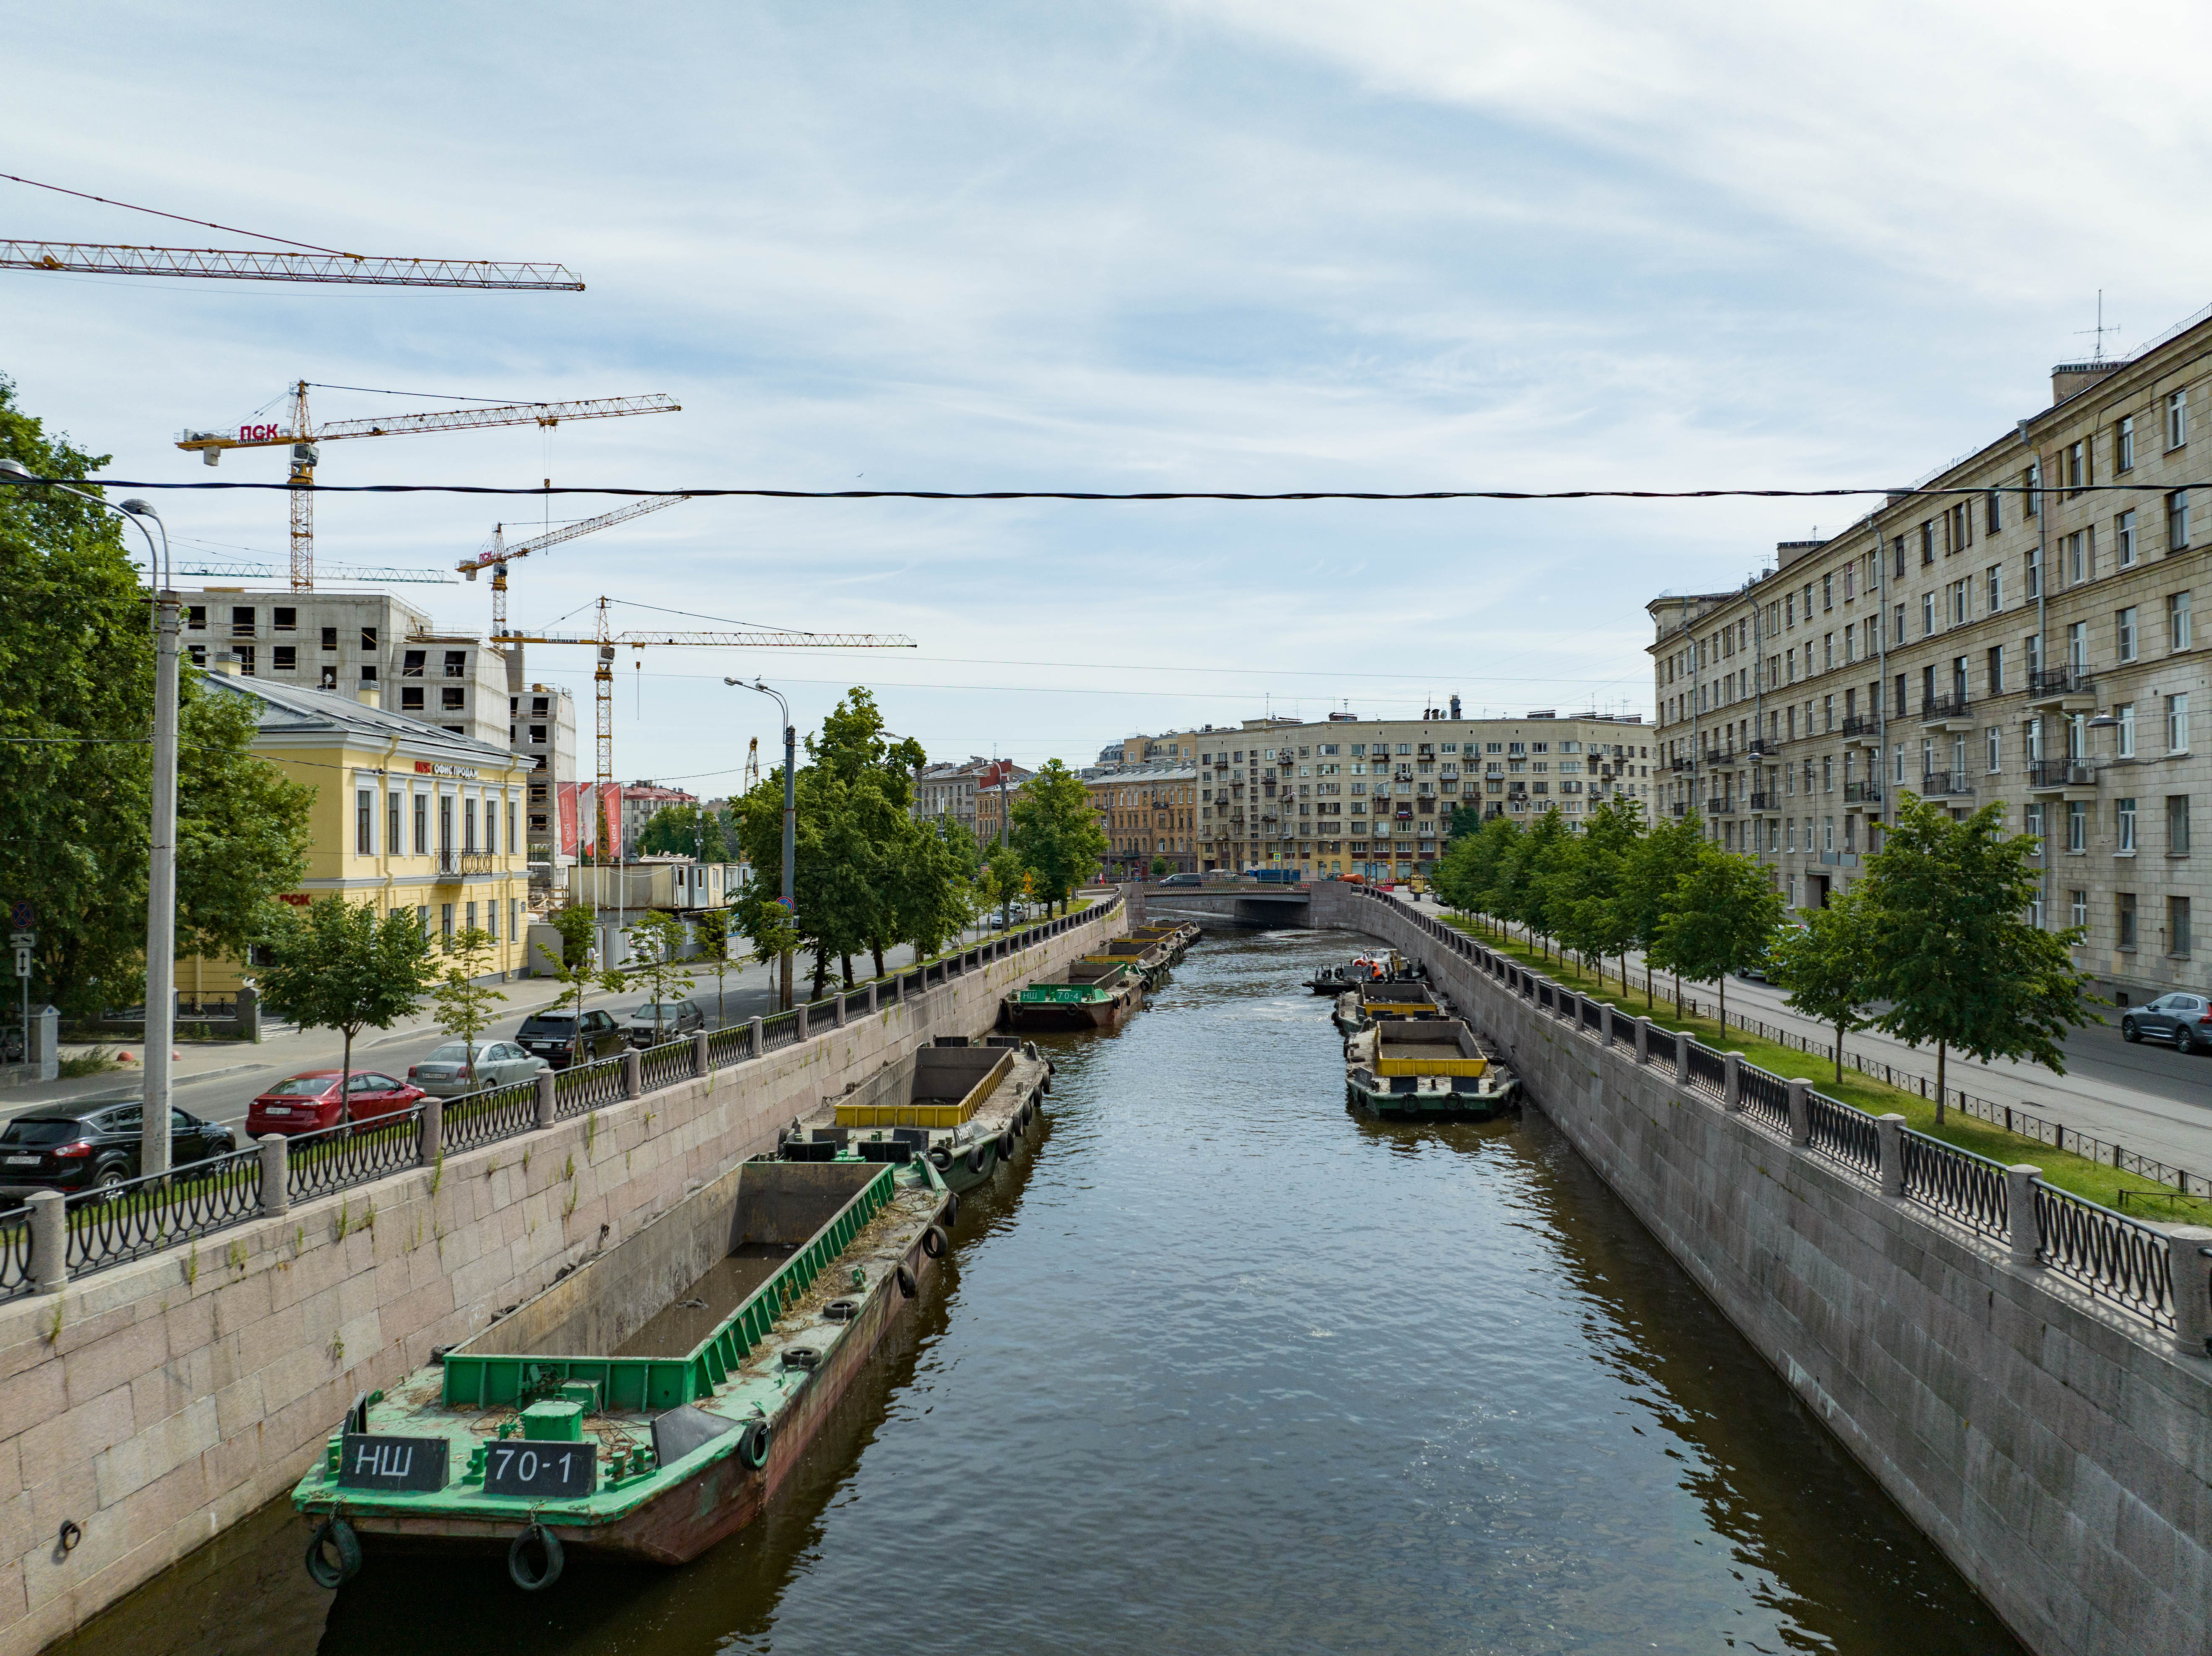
[{"x": 294, "y": 710}]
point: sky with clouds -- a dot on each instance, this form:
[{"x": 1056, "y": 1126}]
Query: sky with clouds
[{"x": 1188, "y": 244}]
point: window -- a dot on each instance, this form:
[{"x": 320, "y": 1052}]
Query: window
[
  {"x": 2177, "y": 925},
  {"x": 2077, "y": 826},
  {"x": 422, "y": 827},
  {"x": 368, "y": 638},
  {"x": 2124, "y": 444},
  {"x": 446, "y": 921},
  {"x": 2033, "y": 562},
  {"x": 2123, "y": 633},
  {"x": 1927, "y": 614},
  {"x": 2077, "y": 644},
  {"x": 1827, "y": 592},
  {"x": 287, "y": 619},
  {"x": 2177, "y": 629},
  {"x": 2176, "y": 825},
  {"x": 2080, "y": 557},
  {"x": 2124, "y": 539},
  {"x": 199, "y": 654},
  {"x": 1928, "y": 542},
  {"x": 2078, "y": 910},
  {"x": 2177, "y": 520},
  {"x": 411, "y": 698},
  {"x": 468, "y": 825},
  {"x": 330, "y": 638},
  {"x": 2126, "y": 714},
  {"x": 2123, "y": 919},
  {"x": 392, "y": 823},
  {"x": 492, "y": 919},
  {"x": 1899, "y": 629},
  {"x": 511, "y": 844},
  {"x": 1997, "y": 669},
  {"x": 2123, "y": 827},
  {"x": 2032, "y": 824},
  {"x": 1993, "y": 512},
  {"x": 1993, "y": 589},
  {"x": 2176, "y": 418},
  {"x": 245, "y": 654},
  {"x": 196, "y": 618},
  {"x": 451, "y": 699},
  {"x": 284, "y": 658},
  {"x": 1995, "y": 739},
  {"x": 369, "y": 672},
  {"x": 457, "y": 663},
  {"x": 364, "y": 821},
  {"x": 2077, "y": 469},
  {"x": 2031, "y": 480},
  {"x": 410, "y": 663}
]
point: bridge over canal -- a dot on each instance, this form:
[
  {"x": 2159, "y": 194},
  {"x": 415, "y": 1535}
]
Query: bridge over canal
[{"x": 1226, "y": 903}]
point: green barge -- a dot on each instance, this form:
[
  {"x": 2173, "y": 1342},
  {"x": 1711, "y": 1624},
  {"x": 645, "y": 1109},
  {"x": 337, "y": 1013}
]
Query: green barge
[
  {"x": 1095, "y": 996},
  {"x": 649, "y": 1402}
]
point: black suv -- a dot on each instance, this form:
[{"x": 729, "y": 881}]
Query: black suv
[
  {"x": 553, "y": 1036},
  {"x": 95, "y": 1147}
]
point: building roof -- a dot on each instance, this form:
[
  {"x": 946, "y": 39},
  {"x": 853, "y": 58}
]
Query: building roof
[{"x": 294, "y": 710}]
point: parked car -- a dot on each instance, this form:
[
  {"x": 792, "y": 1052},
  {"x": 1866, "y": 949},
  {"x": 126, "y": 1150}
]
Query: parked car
[
  {"x": 312, "y": 1102},
  {"x": 2184, "y": 1020},
  {"x": 1756, "y": 972},
  {"x": 447, "y": 1073},
  {"x": 1181, "y": 879},
  {"x": 95, "y": 1147},
  {"x": 554, "y": 1037},
  {"x": 676, "y": 1017}
]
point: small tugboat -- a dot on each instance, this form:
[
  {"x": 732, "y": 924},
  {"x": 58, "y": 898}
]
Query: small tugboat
[
  {"x": 1357, "y": 1008},
  {"x": 1095, "y": 996},
  {"x": 1388, "y": 968},
  {"x": 1429, "y": 1066},
  {"x": 966, "y": 1106},
  {"x": 649, "y": 1402}
]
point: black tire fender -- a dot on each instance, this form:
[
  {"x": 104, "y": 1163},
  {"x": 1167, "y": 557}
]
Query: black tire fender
[
  {"x": 517, "y": 1560},
  {"x": 940, "y": 1157},
  {"x": 753, "y": 1446},
  {"x": 934, "y": 1241},
  {"x": 338, "y": 1535},
  {"x": 1006, "y": 1145},
  {"x": 907, "y": 1286},
  {"x": 951, "y": 1208},
  {"x": 979, "y": 1158}
]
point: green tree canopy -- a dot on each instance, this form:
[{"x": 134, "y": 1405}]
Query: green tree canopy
[
  {"x": 1720, "y": 919},
  {"x": 335, "y": 966},
  {"x": 685, "y": 830},
  {"x": 1827, "y": 966},
  {"x": 1954, "y": 955},
  {"x": 463, "y": 1006},
  {"x": 1055, "y": 832},
  {"x": 1657, "y": 864}
]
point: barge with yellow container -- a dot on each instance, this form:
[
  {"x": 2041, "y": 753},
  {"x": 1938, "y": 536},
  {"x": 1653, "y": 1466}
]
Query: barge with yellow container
[
  {"x": 1427, "y": 1066},
  {"x": 1369, "y": 1003},
  {"x": 967, "y": 1107}
]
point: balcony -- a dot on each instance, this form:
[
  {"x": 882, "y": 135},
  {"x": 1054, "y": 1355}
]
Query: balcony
[
  {"x": 1678, "y": 765},
  {"x": 1860, "y": 725},
  {"x": 1677, "y": 809},
  {"x": 1758, "y": 748},
  {"x": 1947, "y": 712},
  {"x": 1765, "y": 802},
  {"x": 1862, "y": 793},
  {"x": 1720, "y": 807},
  {"x": 2070, "y": 688},
  {"x": 2059, "y": 775},
  {"x": 1936, "y": 784}
]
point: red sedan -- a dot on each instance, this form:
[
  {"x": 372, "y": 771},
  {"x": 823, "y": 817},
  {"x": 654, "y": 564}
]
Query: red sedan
[{"x": 310, "y": 1102}]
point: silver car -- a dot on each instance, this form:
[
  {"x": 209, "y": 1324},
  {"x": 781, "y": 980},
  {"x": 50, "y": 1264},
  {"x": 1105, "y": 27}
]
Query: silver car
[{"x": 446, "y": 1072}]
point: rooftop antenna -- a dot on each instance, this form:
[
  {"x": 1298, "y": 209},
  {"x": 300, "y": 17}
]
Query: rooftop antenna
[{"x": 2099, "y": 330}]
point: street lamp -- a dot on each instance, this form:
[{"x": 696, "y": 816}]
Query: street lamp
[
  {"x": 790, "y": 811},
  {"x": 161, "y": 869}
]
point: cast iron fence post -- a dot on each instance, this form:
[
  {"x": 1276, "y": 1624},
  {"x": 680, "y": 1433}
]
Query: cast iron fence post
[
  {"x": 799, "y": 1020},
  {"x": 1890, "y": 1131},
  {"x": 701, "y": 1057},
  {"x": 1800, "y": 1111},
  {"x": 49, "y": 1241},
  {"x": 632, "y": 1072},
  {"x": 757, "y": 1048},
  {"x": 2192, "y": 1289},
  {"x": 1732, "y": 1082},
  {"x": 1643, "y": 1039},
  {"x": 545, "y": 1098},
  {"x": 837, "y": 1008},
  {"x": 871, "y": 1000},
  {"x": 432, "y": 1141},
  {"x": 276, "y": 1173},
  {"x": 1605, "y": 1024},
  {"x": 2023, "y": 1222},
  {"x": 1681, "y": 1058}
]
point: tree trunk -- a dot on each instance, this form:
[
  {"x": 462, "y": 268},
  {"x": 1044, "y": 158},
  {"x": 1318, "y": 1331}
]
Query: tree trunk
[
  {"x": 1720, "y": 983},
  {"x": 1678, "y": 994},
  {"x": 876, "y": 949},
  {"x": 345, "y": 1076},
  {"x": 1651, "y": 1003},
  {"x": 1839, "y": 1051},
  {"x": 846, "y": 961},
  {"x": 1942, "y": 1055}
]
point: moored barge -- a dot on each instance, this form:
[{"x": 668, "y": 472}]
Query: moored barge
[
  {"x": 967, "y": 1107},
  {"x": 1358, "y": 1008},
  {"x": 1427, "y": 1066},
  {"x": 1388, "y": 967},
  {"x": 1094, "y": 996},
  {"x": 649, "y": 1402}
]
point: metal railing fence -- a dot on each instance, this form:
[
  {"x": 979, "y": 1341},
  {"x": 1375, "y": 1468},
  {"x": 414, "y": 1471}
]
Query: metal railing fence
[
  {"x": 352, "y": 1153},
  {"x": 486, "y": 1117},
  {"x": 144, "y": 1215}
]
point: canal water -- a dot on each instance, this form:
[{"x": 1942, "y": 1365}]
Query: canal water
[{"x": 1232, "y": 1368}]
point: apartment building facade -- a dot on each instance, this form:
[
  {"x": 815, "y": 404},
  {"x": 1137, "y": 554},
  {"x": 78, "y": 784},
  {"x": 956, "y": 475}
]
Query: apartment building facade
[
  {"x": 542, "y": 732},
  {"x": 1346, "y": 795},
  {"x": 1150, "y": 813},
  {"x": 2017, "y": 630},
  {"x": 408, "y": 816}
]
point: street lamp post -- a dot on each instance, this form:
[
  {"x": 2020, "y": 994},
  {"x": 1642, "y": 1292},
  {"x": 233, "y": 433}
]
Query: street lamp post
[
  {"x": 161, "y": 869},
  {"x": 790, "y": 812}
]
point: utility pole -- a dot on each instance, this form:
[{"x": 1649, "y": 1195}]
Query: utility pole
[{"x": 161, "y": 896}]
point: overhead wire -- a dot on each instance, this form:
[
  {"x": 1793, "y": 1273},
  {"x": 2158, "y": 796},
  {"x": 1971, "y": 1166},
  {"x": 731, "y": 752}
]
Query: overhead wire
[{"x": 205, "y": 224}]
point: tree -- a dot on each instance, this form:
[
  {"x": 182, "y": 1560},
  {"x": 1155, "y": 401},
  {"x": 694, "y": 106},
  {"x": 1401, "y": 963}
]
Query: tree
[
  {"x": 931, "y": 886},
  {"x": 1534, "y": 859},
  {"x": 1465, "y": 820},
  {"x": 1159, "y": 866},
  {"x": 1469, "y": 875},
  {"x": 578, "y": 969},
  {"x": 337, "y": 966},
  {"x": 77, "y": 700},
  {"x": 1657, "y": 864},
  {"x": 712, "y": 930},
  {"x": 1953, "y": 954},
  {"x": 1056, "y": 832},
  {"x": 685, "y": 830},
  {"x": 1595, "y": 917},
  {"x": 464, "y": 1006},
  {"x": 1827, "y": 966},
  {"x": 658, "y": 964},
  {"x": 1720, "y": 920}
]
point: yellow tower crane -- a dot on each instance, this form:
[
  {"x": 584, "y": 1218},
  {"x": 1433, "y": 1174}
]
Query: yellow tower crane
[{"x": 303, "y": 437}]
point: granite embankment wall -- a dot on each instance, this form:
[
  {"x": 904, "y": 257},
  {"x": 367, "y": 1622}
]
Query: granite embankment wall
[
  {"x": 155, "y": 1403},
  {"x": 2058, "y": 1448}
]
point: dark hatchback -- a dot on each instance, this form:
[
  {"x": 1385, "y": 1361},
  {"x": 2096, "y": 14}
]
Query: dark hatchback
[
  {"x": 84, "y": 1149},
  {"x": 554, "y": 1037}
]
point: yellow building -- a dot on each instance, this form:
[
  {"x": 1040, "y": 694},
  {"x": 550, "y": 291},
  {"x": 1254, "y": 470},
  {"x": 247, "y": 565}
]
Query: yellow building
[
  {"x": 407, "y": 817},
  {"x": 1147, "y": 811}
]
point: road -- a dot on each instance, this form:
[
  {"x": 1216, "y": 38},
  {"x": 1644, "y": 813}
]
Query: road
[
  {"x": 217, "y": 1081},
  {"x": 2146, "y": 1096}
]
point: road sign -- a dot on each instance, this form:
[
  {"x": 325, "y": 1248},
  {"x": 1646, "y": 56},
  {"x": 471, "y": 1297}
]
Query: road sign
[
  {"x": 22, "y": 961},
  {"x": 23, "y": 939},
  {"x": 21, "y": 914}
]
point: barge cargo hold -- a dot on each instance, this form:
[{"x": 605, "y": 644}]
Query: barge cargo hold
[
  {"x": 1363, "y": 1007},
  {"x": 1427, "y": 1066},
  {"x": 966, "y": 1106},
  {"x": 1093, "y": 996},
  {"x": 648, "y": 1403},
  {"x": 1150, "y": 961},
  {"x": 1177, "y": 936}
]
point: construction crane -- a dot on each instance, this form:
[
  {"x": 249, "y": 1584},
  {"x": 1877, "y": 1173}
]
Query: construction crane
[
  {"x": 496, "y": 556},
  {"x": 301, "y": 436},
  {"x": 606, "y": 640},
  {"x": 257, "y": 264}
]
